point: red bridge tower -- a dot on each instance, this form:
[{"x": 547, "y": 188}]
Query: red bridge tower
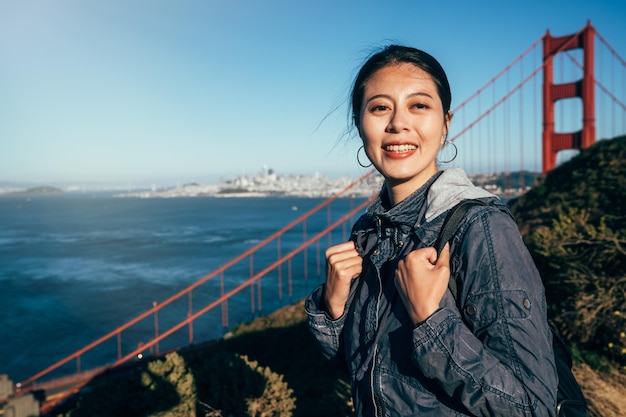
[{"x": 554, "y": 142}]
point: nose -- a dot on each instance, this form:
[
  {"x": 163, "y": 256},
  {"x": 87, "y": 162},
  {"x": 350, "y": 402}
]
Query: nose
[{"x": 398, "y": 121}]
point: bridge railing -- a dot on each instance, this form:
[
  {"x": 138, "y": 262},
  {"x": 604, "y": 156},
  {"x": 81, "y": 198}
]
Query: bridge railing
[{"x": 112, "y": 349}]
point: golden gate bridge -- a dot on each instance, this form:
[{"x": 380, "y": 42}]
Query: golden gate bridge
[{"x": 558, "y": 97}]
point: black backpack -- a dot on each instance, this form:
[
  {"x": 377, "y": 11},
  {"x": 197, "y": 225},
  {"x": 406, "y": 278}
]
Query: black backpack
[{"x": 570, "y": 399}]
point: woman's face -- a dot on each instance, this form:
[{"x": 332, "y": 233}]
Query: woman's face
[{"x": 402, "y": 125}]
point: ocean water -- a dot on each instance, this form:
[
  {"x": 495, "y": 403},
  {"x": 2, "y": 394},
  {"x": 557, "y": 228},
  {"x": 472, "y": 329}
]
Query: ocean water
[{"x": 74, "y": 267}]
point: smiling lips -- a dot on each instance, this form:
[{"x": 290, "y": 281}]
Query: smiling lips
[{"x": 399, "y": 151}]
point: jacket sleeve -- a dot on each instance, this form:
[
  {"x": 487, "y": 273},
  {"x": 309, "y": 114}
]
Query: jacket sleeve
[
  {"x": 496, "y": 357},
  {"x": 326, "y": 331}
]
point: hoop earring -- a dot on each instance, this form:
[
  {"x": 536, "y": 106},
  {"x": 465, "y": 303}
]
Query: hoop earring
[
  {"x": 359, "y": 160},
  {"x": 456, "y": 152}
]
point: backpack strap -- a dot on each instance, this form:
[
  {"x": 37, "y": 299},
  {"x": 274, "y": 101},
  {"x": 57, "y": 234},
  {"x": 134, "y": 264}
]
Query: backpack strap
[
  {"x": 448, "y": 229},
  {"x": 452, "y": 222}
]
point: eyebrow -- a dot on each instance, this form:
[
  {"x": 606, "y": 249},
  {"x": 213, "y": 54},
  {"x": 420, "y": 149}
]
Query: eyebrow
[{"x": 418, "y": 93}]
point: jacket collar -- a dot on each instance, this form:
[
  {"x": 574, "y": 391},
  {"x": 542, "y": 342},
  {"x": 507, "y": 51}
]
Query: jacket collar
[{"x": 408, "y": 212}]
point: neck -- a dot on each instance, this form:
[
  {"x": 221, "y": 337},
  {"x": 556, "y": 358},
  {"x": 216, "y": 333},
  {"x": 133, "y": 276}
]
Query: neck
[{"x": 398, "y": 191}]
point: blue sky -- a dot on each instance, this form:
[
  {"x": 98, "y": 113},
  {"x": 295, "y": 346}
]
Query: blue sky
[{"x": 162, "y": 92}]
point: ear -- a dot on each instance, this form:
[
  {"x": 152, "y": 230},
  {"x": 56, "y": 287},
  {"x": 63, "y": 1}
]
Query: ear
[
  {"x": 446, "y": 125},
  {"x": 357, "y": 123}
]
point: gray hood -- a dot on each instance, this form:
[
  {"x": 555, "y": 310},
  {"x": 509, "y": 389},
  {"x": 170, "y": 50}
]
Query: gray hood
[{"x": 451, "y": 187}]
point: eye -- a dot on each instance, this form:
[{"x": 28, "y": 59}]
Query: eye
[
  {"x": 421, "y": 106},
  {"x": 378, "y": 108}
]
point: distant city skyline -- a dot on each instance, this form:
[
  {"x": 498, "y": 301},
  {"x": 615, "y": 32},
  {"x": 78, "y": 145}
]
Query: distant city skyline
[{"x": 164, "y": 92}]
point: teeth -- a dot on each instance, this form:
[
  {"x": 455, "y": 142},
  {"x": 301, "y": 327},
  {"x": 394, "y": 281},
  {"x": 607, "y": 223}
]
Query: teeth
[{"x": 400, "y": 148}]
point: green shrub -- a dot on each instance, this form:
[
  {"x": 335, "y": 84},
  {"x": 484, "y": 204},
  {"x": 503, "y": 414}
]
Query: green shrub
[
  {"x": 231, "y": 385},
  {"x": 174, "y": 371},
  {"x": 163, "y": 388},
  {"x": 276, "y": 400},
  {"x": 583, "y": 270}
]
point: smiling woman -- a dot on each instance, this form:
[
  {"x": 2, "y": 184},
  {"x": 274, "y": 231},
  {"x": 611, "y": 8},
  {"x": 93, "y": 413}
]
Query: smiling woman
[{"x": 385, "y": 309}]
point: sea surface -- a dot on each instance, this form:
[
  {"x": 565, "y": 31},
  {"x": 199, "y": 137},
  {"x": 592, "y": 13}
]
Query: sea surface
[{"x": 74, "y": 267}]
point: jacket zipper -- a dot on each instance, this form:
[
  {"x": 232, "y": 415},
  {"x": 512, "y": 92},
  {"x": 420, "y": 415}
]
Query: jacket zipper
[{"x": 378, "y": 409}]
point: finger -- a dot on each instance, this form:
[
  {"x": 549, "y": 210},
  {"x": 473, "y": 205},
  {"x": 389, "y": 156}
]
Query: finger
[
  {"x": 421, "y": 258},
  {"x": 431, "y": 255},
  {"x": 444, "y": 256},
  {"x": 346, "y": 269},
  {"x": 351, "y": 256},
  {"x": 336, "y": 257},
  {"x": 353, "y": 271},
  {"x": 425, "y": 256},
  {"x": 347, "y": 263},
  {"x": 340, "y": 248}
]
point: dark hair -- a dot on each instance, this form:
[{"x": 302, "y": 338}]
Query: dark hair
[{"x": 396, "y": 54}]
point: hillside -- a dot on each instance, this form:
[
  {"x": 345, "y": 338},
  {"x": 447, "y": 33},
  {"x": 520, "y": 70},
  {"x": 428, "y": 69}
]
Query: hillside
[{"x": 574, "y": 223}]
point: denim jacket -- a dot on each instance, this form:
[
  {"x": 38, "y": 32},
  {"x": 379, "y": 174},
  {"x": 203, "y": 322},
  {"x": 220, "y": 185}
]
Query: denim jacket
[{"x": 486, "y": 353}]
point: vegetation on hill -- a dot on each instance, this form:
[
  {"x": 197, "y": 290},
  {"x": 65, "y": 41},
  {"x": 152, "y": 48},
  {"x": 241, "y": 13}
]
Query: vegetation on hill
[
  {"x": 593, "y": 181},
  {"x": 574, "y": 224}
]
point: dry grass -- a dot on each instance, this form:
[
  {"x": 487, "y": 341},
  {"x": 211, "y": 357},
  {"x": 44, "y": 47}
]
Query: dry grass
[{"x": 605, "y": 392}]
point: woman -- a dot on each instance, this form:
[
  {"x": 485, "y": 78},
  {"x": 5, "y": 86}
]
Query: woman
[{"x": 411, "y": 347}]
